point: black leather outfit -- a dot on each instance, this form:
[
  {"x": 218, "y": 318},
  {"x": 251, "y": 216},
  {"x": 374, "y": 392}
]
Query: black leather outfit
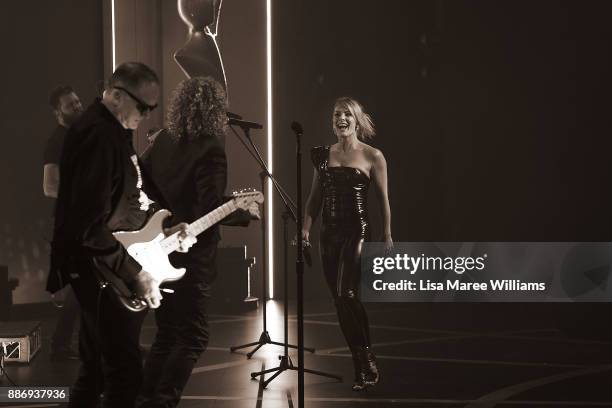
[{"x": 344, "y": 229}]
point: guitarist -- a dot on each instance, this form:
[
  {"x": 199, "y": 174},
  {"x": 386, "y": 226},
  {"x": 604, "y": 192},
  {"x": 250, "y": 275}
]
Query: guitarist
[
  {"x": 103, "y": 190},
  {"x": 188, "y": 164}
]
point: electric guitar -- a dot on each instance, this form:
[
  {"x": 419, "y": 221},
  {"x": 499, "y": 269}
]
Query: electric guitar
[{"x": 150, "y": 247}]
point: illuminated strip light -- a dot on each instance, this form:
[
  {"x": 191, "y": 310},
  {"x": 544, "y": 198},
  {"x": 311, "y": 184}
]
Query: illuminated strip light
[
  {"x": 269, "y": 186},
  {"x": 113, "y": 34}
]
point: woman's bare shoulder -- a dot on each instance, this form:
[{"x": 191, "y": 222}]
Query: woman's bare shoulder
[{"x": 372, "y": 154}]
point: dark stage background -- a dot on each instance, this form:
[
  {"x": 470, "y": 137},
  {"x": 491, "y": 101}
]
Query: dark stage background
[
  {"x": 43, "y": 43},
  {"x": 493, "y": 116}
]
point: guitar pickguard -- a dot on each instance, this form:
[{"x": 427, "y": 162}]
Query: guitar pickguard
[{"x": 154, "y": 260}]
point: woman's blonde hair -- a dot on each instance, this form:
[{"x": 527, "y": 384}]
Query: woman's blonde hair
[
  {"x": 365, "y": 129},
  {"x": 198, "y": 108}
]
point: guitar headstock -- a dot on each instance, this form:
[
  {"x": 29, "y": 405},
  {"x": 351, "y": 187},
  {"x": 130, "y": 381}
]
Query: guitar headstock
[{"x": 245, "y": 197}]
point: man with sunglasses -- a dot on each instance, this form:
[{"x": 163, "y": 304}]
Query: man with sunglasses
[{"x": 104, "y": 190}]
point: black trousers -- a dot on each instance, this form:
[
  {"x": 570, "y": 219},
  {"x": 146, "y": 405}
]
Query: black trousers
[
  {"x": 340, "y": 250},
  {"x": 182, "y": 336},
  {"x": 109, "y": 348}
]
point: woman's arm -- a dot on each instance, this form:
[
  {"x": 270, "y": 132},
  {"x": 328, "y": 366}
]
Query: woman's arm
[
  {"x": 379, "y": 169},
  {"x": 313, "y": 205}
]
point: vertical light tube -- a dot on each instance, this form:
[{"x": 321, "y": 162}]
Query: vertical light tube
[
  {"x": 113, "y": 35},
  {"x": 269, "y": 187}
]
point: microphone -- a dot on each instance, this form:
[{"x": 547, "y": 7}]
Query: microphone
[
  {"x": 297, "y": 128},
  {"x": 244, "y": 124}
]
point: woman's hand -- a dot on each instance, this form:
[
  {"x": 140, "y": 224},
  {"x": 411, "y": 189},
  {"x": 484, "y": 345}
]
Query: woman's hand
[
  {"x": 388, "y": 241},
  {"x": 306, "y": 235},
  {"x": 305, "y": 240}
]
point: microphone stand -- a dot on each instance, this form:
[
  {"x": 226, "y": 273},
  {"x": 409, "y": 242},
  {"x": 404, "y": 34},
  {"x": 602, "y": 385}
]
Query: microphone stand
[
  {"x": 264, "y": 337},
  {"x": 285, "y": 360}
]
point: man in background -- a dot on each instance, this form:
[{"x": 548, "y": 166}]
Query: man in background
[{"x": 67, "y": 108}]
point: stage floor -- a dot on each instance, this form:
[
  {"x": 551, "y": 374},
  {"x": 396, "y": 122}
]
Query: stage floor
[{"x": 429, "y": 356}]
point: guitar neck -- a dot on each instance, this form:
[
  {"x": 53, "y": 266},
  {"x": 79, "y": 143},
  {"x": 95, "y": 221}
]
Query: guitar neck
[{"x": 171, "y": 243}]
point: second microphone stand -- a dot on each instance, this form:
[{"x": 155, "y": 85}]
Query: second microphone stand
[
  {"x": 264, "y": 337},
  {"x": 285, "y": 360}
]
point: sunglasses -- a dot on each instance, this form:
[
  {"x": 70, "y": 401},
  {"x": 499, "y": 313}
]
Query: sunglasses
[{"x": 142, "y": 106}]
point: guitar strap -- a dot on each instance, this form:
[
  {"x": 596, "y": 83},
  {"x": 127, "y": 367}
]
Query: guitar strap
[{"x": 107, "y": 277}]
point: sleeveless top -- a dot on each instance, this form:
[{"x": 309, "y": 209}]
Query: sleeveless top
[{"x": 345, "y": 193}]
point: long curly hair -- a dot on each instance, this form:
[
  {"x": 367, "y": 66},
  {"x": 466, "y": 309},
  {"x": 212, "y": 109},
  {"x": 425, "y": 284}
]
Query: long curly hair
[{"x": 198, "y": 108}]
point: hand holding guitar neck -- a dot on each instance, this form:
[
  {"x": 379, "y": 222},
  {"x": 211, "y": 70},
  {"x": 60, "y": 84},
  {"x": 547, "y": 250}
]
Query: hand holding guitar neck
[{"x": 185, "y": 238}]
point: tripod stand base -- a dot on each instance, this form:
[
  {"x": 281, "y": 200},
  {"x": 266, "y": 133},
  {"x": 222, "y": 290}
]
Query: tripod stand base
[
  {"x": 287, "y": 364},
  {"x": 264, "y": 338}
]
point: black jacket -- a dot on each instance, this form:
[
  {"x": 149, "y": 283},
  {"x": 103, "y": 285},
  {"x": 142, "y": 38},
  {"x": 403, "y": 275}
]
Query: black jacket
[
  {"x": 192, "y": 177},
  {"x": 98, "y": 195}
]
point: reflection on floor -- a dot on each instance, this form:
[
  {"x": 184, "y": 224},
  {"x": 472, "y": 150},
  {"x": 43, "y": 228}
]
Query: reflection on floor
[{"x": 442, "y": 355}]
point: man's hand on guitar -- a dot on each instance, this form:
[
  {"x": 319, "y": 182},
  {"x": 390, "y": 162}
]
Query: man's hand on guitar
[
  {"x": 147, "y": 289},
  {"x": 186, "y": 239}
]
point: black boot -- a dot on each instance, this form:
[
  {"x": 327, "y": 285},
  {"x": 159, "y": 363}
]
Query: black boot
[{"x": 367, "y": 375}]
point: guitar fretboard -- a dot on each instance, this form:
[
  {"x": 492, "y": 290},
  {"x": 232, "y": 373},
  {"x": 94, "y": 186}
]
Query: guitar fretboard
[{"x": 171, "y": 243}]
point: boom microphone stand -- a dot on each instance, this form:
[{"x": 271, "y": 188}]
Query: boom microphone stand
[{"x": 285, "y": 360}]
